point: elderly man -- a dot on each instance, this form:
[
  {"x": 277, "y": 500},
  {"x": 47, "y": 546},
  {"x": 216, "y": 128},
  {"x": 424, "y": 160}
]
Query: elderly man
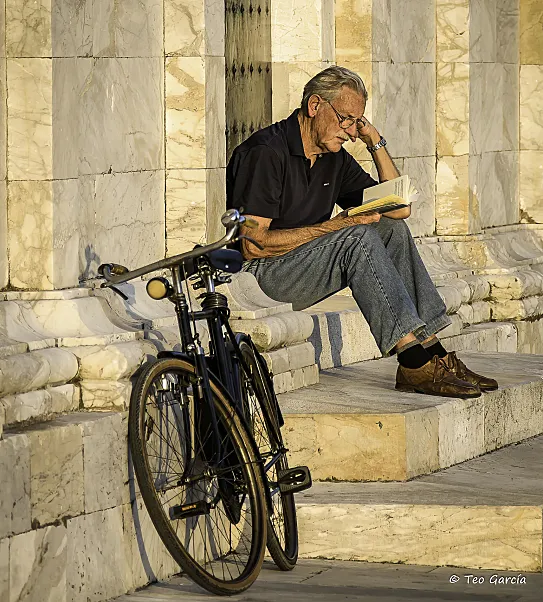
[{"x": 288, "y": 177}]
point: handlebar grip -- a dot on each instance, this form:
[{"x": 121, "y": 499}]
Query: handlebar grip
[
  {"x": 250, "y": 223},
  {"x": 112, "y": 269}
]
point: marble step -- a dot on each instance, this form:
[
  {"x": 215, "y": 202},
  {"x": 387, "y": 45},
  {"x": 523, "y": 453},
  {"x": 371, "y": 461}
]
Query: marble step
[
  {"x": 341, "y": 335},
  {"x": 354, "y": 426},
  {"x": 483, "y": 514}
]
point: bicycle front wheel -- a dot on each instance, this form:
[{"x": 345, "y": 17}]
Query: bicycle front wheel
[
  {"x": 201, "y": 484},
  {"x": 261, "y": 414}
]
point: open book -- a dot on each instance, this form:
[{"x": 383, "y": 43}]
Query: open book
[{"x": 387, "y": 196}]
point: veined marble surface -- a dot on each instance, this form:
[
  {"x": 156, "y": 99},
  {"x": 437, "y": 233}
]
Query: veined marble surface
[
  {"x": 185, "y": 113},
  {"x": 498, "y": 186},
  {"x": 72, "y": 28},
  {"x": 452, "y": 21},
  {"x": 531, "y": 49},
  {"x": 120, "y": 115},
  {"x": 2, "y": 28},
  {"x": 4, "y": 569},
  {"x": 184, "y": 27},
  {"x": 45, "y": 547},
  {"x": 452, "y": 109},
  {"x": 28, "y": 28},
  {"x": 185, "y": 209},
  {"x": 413, "y": 31},
  {"x": 122, "y": 220},
  {"x": 124, "y": 28},
  {"x": 421, "y": 171},
  {"x": 531, "y": 184},
  {"x": 493, "y": 117},
  {"x": 288, "y": 81},
  {"x": 29, "y": 83},
  {"x": 215, "y": 112},
  {"x": 353, "y": 30},
  {"x": 531, "y": 107},
  {"x": 194, "y": 27},
  {"x": 3, "y": 234},
  {"x": 215, "y": 203},
  {"x": 452, "y": 195},
  {"x": 30, "y": 234},
  {"x": 483, "y": 31},
  {"x": 380, "y": 24},
  {"x": 404, "y": 107},
  {"x": 297, "y": 30},
  {"x": 507, "y": 31}
]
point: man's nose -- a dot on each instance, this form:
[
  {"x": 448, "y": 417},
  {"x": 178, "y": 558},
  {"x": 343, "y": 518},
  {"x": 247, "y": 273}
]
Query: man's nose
[{"x": 352, "y": 132}]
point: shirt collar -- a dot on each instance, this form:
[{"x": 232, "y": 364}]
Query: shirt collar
[{"x": 294, "y": 136}]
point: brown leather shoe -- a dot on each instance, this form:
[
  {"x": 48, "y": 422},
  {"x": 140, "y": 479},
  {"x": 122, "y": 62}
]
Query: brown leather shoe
[
  {"x": 462, "y": 371},
  {"x": 434, "y": 378}
]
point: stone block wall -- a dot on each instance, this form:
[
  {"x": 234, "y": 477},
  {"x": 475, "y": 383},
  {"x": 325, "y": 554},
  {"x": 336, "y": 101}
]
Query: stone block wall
[
  {"x": 531, "y": 111},
  {"x": 112, "y": 144}
]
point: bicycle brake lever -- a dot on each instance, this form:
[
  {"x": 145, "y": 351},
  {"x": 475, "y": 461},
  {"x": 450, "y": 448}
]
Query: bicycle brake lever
[{"x": 251, "y": 240}]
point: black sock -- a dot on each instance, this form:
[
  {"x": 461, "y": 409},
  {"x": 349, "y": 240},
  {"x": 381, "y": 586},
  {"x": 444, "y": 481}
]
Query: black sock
[
  {"x": 414, "y": 356},
  {"x": 436, "y": 349}
]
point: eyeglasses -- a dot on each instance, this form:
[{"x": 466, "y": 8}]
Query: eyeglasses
[{"x": 346, "y": 122}]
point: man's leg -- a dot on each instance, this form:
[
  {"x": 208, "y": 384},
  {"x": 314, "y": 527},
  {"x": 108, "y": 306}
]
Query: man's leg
[
  {"x": 354, "y": 257},
  {"x": 362, "y": 258},
  {"x": 404, "y": 254}
]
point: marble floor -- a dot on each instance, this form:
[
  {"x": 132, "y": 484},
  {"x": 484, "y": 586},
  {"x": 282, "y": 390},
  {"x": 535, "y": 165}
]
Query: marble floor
[{"x": 335, "y": 581}]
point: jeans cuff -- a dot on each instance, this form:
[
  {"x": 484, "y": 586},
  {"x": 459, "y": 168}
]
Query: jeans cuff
[
  {"x": 434, "y": 326},
  {"x": 388, "y": 349}
]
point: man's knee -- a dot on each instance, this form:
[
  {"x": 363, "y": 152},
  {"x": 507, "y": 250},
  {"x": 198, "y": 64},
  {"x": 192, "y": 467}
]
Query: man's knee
[{"x": 393, "y": 229}]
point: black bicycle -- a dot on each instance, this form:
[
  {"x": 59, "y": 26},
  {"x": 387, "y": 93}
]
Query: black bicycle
[{"x": 205, "y": 431}]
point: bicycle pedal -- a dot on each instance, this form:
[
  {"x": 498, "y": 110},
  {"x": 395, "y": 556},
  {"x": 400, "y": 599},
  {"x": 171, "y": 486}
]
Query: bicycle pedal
[
  {"x": 188, "y": 510},
  {"x": 294, "y": 480}
]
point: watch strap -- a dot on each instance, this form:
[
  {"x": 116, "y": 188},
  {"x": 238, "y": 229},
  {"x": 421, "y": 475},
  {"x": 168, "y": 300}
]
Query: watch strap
[{"x": 381, "y": 143}]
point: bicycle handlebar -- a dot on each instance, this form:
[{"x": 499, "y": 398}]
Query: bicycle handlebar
[{"x": 117, "y": 274}]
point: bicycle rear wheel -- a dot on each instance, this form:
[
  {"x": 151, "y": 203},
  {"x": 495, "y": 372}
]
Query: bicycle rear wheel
[
  {"x": 262, "y": 416},
  {"x": 204, "y": 493}
]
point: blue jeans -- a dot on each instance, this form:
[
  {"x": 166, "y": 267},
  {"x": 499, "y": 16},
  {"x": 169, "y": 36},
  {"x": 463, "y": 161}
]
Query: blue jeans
[{"x": 381, "y": 265}]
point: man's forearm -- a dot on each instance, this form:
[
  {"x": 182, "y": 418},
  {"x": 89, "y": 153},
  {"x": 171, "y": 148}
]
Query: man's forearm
[
  {"x": 281, "y": 241},
  {"x": 385, "y": 165},
  {"x": 383, "y": 161}
]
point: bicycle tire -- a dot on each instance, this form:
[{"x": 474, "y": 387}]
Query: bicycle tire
[
  {"x": 282, "y": 531},
  {"x": 242, "y": 568}
]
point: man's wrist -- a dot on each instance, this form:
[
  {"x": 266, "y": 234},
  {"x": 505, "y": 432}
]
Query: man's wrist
[{"x": 377, "y": 145}]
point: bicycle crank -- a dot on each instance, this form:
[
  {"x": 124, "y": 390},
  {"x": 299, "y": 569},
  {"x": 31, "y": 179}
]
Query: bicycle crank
[{"x": 294, "y": 480}]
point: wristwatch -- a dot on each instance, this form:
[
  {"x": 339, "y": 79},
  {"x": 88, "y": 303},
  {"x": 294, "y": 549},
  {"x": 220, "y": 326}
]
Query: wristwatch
[{"x": 381, "y": 143}]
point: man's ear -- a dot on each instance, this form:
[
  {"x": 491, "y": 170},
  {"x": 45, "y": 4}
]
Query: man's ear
[{"x": 313, "y": 105}]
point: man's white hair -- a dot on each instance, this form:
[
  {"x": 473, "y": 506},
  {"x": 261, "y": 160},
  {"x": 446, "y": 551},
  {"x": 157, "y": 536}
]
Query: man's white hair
[{"x": 328, "y": 83}]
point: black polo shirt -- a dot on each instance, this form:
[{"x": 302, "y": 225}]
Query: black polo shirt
[{"x": 270, "y": 176}]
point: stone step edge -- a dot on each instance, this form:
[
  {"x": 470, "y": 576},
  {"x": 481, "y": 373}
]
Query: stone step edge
[
  {"x": 475, "y": 537},
  {"x": 420, "y": 440}
]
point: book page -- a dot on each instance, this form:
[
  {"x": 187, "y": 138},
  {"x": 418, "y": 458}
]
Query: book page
[{"x": 398, "y": 187}]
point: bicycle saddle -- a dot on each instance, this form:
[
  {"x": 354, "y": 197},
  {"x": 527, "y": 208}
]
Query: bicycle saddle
[{"x": 226, "y": 260}]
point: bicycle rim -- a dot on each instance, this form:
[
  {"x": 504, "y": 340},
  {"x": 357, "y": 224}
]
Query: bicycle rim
[
  {"x": 282, "y": 535},
  {"x": 207, "y": 507}
]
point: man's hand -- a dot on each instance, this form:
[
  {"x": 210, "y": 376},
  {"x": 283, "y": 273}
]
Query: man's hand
[
  {"x": 354, "y": 220},
  {"x": 368, "y": 134}
]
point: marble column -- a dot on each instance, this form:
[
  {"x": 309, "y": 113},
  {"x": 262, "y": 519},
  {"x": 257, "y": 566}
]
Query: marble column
[
  {"x": 531, "y": 111},
  {"x": 302, "y": 44},
  {"x": 3, "y": 156},
  {"x": 391, "y": 44},
  {"x": 195, "y": 122},
  {"x": 456, "y": 209},
  {"x": 85, "y": 138},
  {"x": 494, "y": 109}
]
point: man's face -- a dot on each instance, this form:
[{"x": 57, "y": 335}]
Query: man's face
[{"x": 329, "y": 136}]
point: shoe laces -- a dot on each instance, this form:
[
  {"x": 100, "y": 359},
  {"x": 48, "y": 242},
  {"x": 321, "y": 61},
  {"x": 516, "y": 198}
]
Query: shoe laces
[{"x": 440, "y": 368}]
